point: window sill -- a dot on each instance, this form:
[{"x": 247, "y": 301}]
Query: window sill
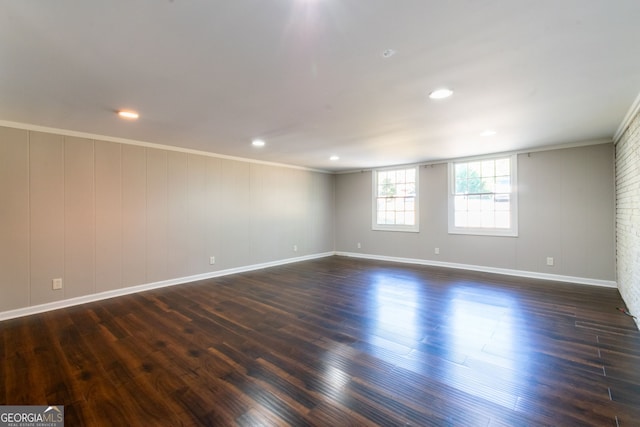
[
  {"x": 397, "y": 229},
  {"x": 484, "y": 232}
]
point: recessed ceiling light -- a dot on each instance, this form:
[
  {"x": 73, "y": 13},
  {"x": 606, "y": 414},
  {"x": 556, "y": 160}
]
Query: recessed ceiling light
[
  {"x": 257, "y": 143},
  {"x": 131, "y": 115},
  {"x": 488, "y": 132},
  {"x": 441, "y": 93},
  {"x": 388, "y": 53},
  {"x": 334, "y": 158}
]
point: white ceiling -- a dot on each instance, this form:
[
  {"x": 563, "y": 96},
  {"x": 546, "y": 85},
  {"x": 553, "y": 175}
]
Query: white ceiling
[{"x": 309, "y": 78}]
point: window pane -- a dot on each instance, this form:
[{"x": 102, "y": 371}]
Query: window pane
[
  {"x": 474, "y": 203},
  {"x": 487, "y": 203},
  {"x": 461, "y": 186},
  {"x": 409, "y": 218},
  {"x": 503, "y": 220},
  {"x": 488, "y": 220},
  {"x": 389, "y": 204},
  {"x": 411, "y": 175},
  {"x": 410, "y": 204},
  {"x": 474, "y": 169},
  {"x": 488, "y": 184},
  {"x": 488, "y": 168},
  {"x": 503, "y": 184},
  {"x": 474, "y": 219},
  {"x": 396, "y": 193},
  {"x": 460, "y": 219},
  {"x": 390, "y": 217},
  {"x": 475, "y": 184},
  {"x": 460, "y": 171},
  {"x": 482, "y": 194},
  {"x": 387, "y": 188},
  {"x": 503, "y": 167},
  {"x": 502, "y": 202}
]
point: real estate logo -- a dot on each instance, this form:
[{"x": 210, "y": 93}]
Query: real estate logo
[{"x": 32, "y": 416}]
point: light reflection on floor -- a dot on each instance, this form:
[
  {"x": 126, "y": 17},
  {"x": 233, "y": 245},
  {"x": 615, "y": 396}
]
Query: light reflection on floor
[{"x": 472, "y": 319}]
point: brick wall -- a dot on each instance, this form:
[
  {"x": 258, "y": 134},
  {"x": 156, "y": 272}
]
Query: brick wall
[{"x": 628, "y": 215}]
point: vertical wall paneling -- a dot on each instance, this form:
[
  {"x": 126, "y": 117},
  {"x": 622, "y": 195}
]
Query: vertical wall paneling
[
  {"x": 600, "y": 212},
  {"x": 303, "y": 220},
  {"x": 321, "y": 206},
  {"x": 263, "y": 227},
  {"x": 104, "y": 216},
  {"x": 46, "y": 215},
  {"x": 79, "y": 217},
  {"x": 197, "y": 256},
  {"x": 14, "y": 218},
  {"x": 312, "y": 230},
  {"x": 234, "y": 213},
  {"x": 134, "y": 215},
  {"x": 433, "y": 189},
  {"x": 177, "y": 215},
  {"x": 108, "y": 172},
  {"x": 212, "y": 223},
  {"x": 156, "y": 215}
]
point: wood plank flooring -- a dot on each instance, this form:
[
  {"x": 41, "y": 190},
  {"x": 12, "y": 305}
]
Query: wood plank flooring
[{"x": 334, "y": 342}]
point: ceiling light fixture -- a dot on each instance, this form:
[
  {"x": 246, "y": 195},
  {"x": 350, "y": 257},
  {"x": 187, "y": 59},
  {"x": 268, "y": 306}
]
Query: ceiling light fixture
[
  {"x": 488, "y": 132},
  {"x": 257, "y": 143},
  {"x": 441, "y": 93},
  {"x": 334, "y": 158},
  {"x": 131, "y": 115}
]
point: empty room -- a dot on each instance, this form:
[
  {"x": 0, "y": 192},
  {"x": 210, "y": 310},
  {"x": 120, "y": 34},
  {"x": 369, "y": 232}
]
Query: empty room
[{"x": 319, "y": 213}]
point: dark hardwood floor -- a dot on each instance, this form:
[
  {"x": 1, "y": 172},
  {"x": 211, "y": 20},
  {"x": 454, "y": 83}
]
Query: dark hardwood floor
[{"x": 334, "y": 342}]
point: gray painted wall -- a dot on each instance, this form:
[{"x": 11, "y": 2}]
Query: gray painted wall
[
  {"x": 566, "y": 211},
  {"x": 105, "y": 216}
]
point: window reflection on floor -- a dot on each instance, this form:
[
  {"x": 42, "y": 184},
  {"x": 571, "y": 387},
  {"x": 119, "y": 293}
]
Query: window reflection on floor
[
  {"x": 399, "y": 305},
  {"x": 468, "y": 338},
  {"x": 481, "y": 326}
]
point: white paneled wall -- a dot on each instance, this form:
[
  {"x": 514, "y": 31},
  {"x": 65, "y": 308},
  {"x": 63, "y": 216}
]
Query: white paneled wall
[
  {"x": 628, "y": 215},
  {"x": 105, "y": 216}
]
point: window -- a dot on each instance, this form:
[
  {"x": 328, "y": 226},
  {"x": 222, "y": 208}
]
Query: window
[
  {"x": 395, "y": 201},
  {"x": 482, "y": 196}
]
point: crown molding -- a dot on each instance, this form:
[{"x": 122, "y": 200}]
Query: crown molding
[
  {"x": 633, "y": 111},
  {"x": 92, "y": 136}
]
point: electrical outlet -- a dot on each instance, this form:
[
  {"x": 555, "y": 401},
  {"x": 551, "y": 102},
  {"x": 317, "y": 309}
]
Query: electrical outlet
[
  {"x": 56, "y": 284},
  {"x": 436, "y": 251},
  {"x": 295, "y": 248},
  {"x": 550, "y": 260},
  {"x": 212, "y": 260},
  {"x": 359, "y": 245}
]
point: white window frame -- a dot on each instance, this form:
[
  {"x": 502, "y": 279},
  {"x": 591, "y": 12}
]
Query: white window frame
[
  {"x": 513, "y": 198},
  {"x": 394, "y": 227}
]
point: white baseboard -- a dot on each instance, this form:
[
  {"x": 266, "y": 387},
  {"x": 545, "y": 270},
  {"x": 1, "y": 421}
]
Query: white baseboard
[
  {"x": 506, "y": 271},
  {"x": 26, "y": 311}
]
